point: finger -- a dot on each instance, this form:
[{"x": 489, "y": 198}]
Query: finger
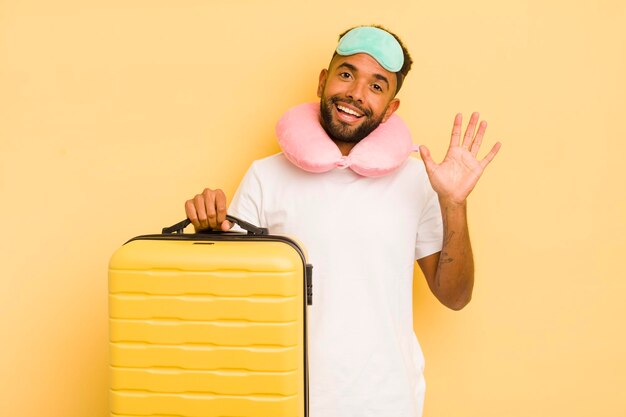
[
  {"x": 456, "y": 130},
  {"x": 492, "y": 153},
  {"x": 190, "y": 211},
  {"x": 478, "y": 140},
  {"x": 469, "y": 132},
  {"x": 220, "y": 206},
  {"x": 209, "y": 204},
  {"x": 198, "y": 202}
]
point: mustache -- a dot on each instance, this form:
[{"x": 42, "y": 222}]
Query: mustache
[{"x": 353, "y": 103}]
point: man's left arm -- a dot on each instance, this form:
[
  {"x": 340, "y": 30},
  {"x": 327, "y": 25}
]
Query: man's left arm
[{"x": 450, "y": 273}]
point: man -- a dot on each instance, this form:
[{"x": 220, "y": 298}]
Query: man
[{"x": 364, "y": 233}]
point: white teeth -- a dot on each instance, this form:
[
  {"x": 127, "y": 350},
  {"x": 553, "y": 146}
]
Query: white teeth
[{"x": 349, "y": 111}]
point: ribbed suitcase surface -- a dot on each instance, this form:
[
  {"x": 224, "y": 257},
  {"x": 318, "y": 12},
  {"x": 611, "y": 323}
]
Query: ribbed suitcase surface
[{"x": 208, "y": 326}]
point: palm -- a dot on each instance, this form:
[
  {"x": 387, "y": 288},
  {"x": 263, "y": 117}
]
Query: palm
[{"x": 456, "y": 176}]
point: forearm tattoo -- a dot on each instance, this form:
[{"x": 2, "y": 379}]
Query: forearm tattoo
[{"x": 445, "y": 258}]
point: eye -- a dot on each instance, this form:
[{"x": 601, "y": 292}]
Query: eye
[
  {"x": 377, "y": 87},
  {"x": 345, "y": 75}
]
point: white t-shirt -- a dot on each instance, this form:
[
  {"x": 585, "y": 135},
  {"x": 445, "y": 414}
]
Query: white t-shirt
[{"x": 362, "y": 236}]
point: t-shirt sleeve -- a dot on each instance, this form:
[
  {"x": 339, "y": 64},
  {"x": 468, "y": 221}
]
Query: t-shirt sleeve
[
  {"x": 430, "y": 228},
  {"x": 246, "y": 203}
]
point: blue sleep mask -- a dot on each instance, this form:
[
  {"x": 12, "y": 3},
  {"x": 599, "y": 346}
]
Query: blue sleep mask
[{"x": 378, "y": 43}]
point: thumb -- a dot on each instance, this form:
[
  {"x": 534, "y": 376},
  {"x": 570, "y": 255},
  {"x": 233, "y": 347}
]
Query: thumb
[
  {"x": 226, "y": 226},
  {"x": 425, "y": 154}
]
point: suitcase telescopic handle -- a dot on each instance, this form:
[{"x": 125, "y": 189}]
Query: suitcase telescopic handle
[{"x": 249, "y": 227}]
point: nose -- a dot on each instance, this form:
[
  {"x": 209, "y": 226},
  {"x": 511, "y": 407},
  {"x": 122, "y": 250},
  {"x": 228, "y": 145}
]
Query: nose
[{"x": 356, "y": 91}]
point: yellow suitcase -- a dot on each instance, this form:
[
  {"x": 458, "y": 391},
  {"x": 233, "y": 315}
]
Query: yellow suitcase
[{"x": 209, "y": 325}]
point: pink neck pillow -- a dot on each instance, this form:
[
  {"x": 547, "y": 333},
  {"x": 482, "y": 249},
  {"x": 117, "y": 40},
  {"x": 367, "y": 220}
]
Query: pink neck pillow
[{"x": 306, "y": 144}]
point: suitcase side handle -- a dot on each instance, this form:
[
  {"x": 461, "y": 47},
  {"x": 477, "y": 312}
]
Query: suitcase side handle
[{"x": 248, "y": 227}]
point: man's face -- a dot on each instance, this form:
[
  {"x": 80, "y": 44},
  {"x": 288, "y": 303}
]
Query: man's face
[{"x": 357, "y": 94}]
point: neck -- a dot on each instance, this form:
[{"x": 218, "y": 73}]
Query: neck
[{"x": 344, "y": 147}]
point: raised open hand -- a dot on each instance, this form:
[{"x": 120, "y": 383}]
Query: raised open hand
[{"x": 456, "y": 176}]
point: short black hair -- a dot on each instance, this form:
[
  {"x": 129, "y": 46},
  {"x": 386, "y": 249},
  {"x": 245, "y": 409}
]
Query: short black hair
[{"x": 408, "y": 61}]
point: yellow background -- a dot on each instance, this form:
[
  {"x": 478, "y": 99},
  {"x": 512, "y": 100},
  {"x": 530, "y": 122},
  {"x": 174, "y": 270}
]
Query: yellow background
[{"x": 112, "y": 113}]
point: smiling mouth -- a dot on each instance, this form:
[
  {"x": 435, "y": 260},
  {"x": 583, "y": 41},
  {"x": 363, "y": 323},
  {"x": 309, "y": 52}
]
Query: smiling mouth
[{"x": 349, "y": 111}]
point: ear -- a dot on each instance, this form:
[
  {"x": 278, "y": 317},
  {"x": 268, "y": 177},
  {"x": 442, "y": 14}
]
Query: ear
[
  {"x": 322, "y": 82},
  {"x": 391, "y": 108}
]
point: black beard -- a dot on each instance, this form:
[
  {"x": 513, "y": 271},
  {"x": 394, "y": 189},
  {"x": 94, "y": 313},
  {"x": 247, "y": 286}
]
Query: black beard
[{"x": 340, "y": 132}]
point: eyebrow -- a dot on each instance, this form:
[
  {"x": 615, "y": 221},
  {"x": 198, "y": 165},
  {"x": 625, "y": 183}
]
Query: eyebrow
[{"x": 352, "y": 68}]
